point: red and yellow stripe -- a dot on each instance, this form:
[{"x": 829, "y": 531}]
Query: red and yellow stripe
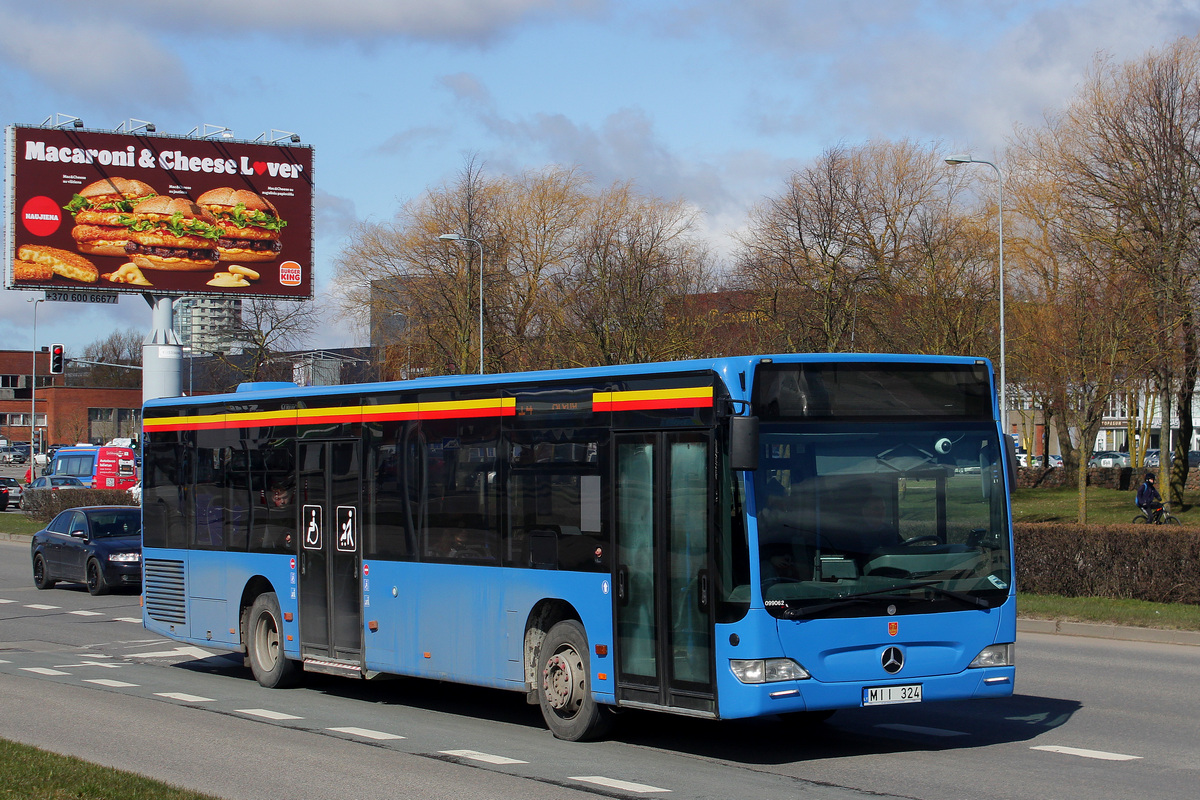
[
  {"x": 449, "y": 409},
  {"x": 639, "y": 400},
  {"x": 646, "y": 399}
]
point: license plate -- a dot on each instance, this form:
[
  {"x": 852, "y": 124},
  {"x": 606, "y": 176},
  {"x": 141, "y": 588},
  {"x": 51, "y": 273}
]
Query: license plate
[{"x": 886, "y": 695}]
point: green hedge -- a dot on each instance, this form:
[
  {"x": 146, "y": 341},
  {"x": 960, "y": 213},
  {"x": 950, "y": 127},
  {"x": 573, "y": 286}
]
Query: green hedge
[
  {"x": 1156, "y": 563},
  {"x": 44, "y": 504}
]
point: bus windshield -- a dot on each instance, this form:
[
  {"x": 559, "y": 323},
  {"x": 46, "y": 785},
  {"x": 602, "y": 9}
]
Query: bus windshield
[{"x": 862, "y": 519}]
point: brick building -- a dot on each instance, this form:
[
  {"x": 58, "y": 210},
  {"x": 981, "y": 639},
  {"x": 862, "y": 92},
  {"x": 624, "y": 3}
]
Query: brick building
[{"x": 63, "y": 414}]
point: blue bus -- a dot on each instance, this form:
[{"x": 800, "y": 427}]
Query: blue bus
[{"x": 728, "y": 538}]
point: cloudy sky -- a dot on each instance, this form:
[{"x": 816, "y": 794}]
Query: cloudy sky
[{"x": 709, "y": 100}]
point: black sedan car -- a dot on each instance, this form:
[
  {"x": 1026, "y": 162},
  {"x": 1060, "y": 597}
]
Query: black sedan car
[
  {"x": 100, "y": 546},
  {"x": 12, "y": 489}
]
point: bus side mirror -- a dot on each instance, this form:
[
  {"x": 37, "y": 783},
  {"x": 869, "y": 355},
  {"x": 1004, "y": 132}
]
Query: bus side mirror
[
  {"x": 743, "y": 443},
  {"x": 1011, "y": 460}
]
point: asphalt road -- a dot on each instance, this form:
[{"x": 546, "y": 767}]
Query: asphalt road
[{"x": 1093, "y": 719}]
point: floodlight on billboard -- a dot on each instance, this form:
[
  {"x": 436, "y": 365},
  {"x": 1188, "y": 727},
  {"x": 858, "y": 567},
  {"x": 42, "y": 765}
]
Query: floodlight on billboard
[{"x": 135, "y": 212}]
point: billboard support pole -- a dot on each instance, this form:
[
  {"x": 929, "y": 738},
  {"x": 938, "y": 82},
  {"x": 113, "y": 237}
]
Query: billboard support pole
[{"x": 162, "y": 355}]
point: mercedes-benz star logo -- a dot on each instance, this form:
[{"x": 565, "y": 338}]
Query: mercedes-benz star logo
[{"x": 893, "y": 660}]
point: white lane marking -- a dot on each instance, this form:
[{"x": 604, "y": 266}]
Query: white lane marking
[
  {"x": 86, "y": 613},
  {"x": 134, "y": 620},
  {"x": 44, "y": 671},
  {"x": 1078, "y": 751},
  {"x": 367, "y": 734},
  {"x": 41, "y": 607},
  {"x": 899, "y": 726},
  {"x": 613, "y": 783},
  {"x": 2, "y": 661},
  {"x": 110, "y": 682},
  {"x": 3, "y": 601},
  {"x": 184, "y": 697},
  {"x": 88, "y": 664},
  {"x": 487, "y": 758},
  {"x": 266, "y": 713},
  {"x": 194, "y": 652}
]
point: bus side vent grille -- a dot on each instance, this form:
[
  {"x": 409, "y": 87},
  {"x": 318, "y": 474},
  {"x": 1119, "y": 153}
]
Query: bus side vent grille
[{"x": 165, "y": 594}]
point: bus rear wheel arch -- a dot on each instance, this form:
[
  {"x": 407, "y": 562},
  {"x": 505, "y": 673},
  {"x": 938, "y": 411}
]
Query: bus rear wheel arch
[
  {"x": 262, "y": 630},
  {"x": 564, "y": 685}
]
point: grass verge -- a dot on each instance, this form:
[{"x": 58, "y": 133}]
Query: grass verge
[
  {"x": 1104, "y": 506},
  {"x": 33, "y": 774},
  {"x": 15, "y": 522},
  {"x": 1106, "y": 611}
]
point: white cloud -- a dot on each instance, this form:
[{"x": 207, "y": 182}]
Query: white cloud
[
  {"x": 966, "y": 70},
  {"x": 101, "y": 61},
  {"x": 470, "y": 20}
]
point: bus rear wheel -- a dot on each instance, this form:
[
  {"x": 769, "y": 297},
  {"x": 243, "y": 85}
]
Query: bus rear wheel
[
  {"x": 264, "y": 645},
  {"x": 565, "y": 686}
]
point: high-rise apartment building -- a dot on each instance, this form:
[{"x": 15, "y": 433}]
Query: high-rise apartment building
[{"x": 204, "y": 324}]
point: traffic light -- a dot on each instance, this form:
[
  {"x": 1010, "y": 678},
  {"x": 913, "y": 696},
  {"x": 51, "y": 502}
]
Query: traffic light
[{"x": 56, "y": 359}]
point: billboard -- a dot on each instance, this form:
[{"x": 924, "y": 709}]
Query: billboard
[{"x": 95, "y": 211}]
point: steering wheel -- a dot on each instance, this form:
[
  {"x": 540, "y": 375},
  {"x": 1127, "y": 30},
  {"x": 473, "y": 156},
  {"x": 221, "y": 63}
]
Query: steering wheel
[
  {"x": 774, "y": 579},
  {"x": 922, "y": 540}
]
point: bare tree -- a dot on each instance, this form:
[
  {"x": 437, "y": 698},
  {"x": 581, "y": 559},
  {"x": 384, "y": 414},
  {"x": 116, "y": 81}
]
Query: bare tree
[
  {"x": 401, "y": 271},
  {"x": 1125, "y": 156},
  {"x": 634, "y": 257},
  {"x": 118, "y": 348},
  {"x": 571, "y": 276},
  {"x": 871, "y": 247},
  {"x": 267, "y": 329}
]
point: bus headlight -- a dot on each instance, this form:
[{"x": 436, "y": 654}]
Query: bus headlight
[
  {"x": 768, "y": 670},
  {"x": 996, "y": 655}
]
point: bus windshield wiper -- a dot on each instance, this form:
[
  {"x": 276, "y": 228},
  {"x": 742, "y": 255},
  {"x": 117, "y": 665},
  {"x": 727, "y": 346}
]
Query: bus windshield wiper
[{"x": 890, "y": 593}]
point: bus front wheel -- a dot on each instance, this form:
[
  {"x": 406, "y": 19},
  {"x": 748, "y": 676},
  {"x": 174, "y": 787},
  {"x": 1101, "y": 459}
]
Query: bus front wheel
[
  {"x": 264, "y": 644},
  {"x": 565, "y": 687}
]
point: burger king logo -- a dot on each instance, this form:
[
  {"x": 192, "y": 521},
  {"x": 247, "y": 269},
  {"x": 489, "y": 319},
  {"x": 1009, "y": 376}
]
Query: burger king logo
[{"x": 290, "y": 273}]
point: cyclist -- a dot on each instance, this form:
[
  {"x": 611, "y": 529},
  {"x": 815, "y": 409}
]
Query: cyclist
[{"x": 1148, "y": 498}]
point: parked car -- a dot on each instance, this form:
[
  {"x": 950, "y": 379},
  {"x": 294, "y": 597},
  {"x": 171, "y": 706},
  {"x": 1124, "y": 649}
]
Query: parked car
[
  {"x": 99, "y": 546},
  {"x": 15, "y": 490},
  {"x": 56, "y": 482},
  {"x": 1054, "y": 460},
  {"x": 3, "y": 497},
  {"x": 1109, "y": 458},
  {"x": 135, "y": 492},
  {"x": 12, "y": 455},
  {"x": 1152, "y": 458}
]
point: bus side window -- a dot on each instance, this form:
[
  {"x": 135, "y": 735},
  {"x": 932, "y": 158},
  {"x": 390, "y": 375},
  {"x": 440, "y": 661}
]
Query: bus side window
[{"x": 463, "y": 511}]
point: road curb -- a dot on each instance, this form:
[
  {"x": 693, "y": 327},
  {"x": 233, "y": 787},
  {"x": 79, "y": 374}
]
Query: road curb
[{"x": 1097, "y": 631}]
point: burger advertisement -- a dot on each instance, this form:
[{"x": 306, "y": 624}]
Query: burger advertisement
[{"x": 95, "y": 211}]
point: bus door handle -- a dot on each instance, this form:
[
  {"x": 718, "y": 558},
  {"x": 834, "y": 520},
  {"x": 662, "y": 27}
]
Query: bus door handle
[
  {"x": 702, "y": 595},
  {"x": 622, "y": 584}
]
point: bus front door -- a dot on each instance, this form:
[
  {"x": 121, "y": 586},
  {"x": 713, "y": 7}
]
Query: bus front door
[
  {"x": 330, "y": 592},
  {"x": 662, "y": 496}
]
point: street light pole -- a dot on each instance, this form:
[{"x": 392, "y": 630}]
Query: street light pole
[
  {"x": 454, "y": 237},
  {"x": 33, "y": 390},
  {"x": 965, "y": 158}
]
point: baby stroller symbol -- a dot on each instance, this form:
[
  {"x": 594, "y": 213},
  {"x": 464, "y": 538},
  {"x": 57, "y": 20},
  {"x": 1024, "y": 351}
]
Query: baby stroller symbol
[{"x": 347, "y": 537}]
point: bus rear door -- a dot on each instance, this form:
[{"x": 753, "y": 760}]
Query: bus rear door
[
  {"x": 330, "y": 592},
  {"x": 663, "y": 494}
]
